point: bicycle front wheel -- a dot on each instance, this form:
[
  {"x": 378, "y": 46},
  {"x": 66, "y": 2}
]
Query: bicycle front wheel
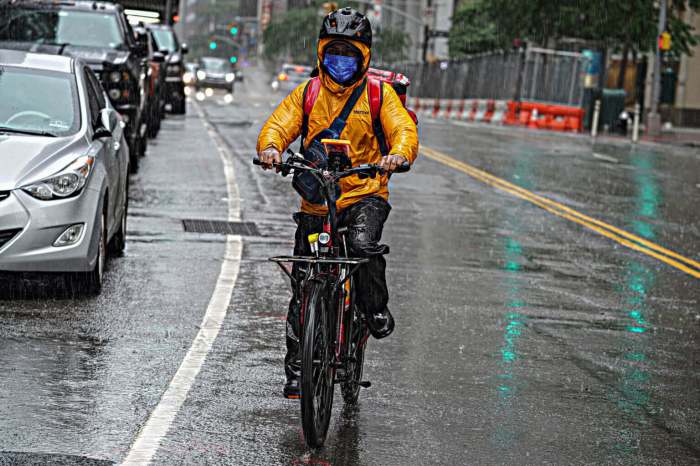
[{"x": 317, "y": 368}]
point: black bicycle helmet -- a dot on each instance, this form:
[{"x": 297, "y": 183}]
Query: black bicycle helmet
[{"x": 348, "y": 24}]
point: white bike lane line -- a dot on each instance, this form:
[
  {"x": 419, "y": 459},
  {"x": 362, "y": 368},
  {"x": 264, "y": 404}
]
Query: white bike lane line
[{"x": 155, "y": 429}]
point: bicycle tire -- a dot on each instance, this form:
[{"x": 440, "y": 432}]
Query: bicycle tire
[{"x": 316, "y": 377}]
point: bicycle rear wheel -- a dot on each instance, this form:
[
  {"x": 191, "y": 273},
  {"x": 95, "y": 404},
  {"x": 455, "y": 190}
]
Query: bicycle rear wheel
[{"x": 317, "y": 368}]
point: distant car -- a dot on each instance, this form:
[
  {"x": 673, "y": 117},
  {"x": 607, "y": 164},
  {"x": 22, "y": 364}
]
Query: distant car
[
  {"x": 190, "y": 76},
  {"x": 215, "y": 72},
  {"x": 155, "y": 80},
  {"x": 99, "y": 34},
  {"x": 168, "y": 43},
  {"x": 289, "y": 77},
  {"x": 64, "y": 167}
]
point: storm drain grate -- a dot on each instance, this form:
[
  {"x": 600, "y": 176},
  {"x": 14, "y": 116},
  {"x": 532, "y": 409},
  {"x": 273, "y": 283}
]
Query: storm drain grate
[{"x": 221, "y": 227}]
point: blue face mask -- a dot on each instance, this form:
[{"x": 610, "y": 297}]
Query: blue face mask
[{"x": 340, "y": 67}]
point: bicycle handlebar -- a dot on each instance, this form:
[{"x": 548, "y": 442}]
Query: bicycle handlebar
[{"x": 297, "y": 162}]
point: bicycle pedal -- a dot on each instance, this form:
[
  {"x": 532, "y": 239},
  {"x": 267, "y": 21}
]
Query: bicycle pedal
[{"x": 365, "y": 384}]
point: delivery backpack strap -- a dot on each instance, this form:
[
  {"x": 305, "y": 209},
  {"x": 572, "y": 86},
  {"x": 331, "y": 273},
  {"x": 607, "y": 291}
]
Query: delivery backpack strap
[
  {"x": 375, "y": 94},
  {"x": 311, "y": 92},
  {"x": 305, "y": 183}
]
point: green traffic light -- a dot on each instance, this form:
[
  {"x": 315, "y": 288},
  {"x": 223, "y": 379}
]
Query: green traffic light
[
  {"x": 212, "y": 45},
  {"x": 234, "y": 59},
  {"x": 234, "y": 30}
]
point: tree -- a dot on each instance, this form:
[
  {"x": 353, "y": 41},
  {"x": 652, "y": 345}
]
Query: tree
[
  {"x": 293, "y": 36},
  {"x": 390, "y": 46},
  {"x": 474, "y": 31}
]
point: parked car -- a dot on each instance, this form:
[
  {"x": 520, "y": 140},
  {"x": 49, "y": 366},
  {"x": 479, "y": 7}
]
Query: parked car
[
  {"x": 63, "y": 168},
  {"x": 155, "y": 80},
  {"x": 96, "y": 32},
  {"x": 214, "y": 72},
  {"x": 289, "y": 77},
  {"x": 168, "y": 43}
]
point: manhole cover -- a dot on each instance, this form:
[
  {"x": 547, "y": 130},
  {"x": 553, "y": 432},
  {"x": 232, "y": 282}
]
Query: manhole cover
[{"x": 221, "y": 227}]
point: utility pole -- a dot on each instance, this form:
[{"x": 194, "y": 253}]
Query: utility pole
[
  {"x": 654, "y": 118},
  {"x": 426, "y": 29}
]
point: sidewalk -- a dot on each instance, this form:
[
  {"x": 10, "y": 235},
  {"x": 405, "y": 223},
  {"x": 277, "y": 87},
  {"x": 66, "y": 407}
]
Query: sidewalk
[
  {"x": 684, "y": 138},
  {"x": 687, "y": 137}
]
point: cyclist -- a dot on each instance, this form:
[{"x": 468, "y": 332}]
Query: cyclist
[{"x": 344, "y": 51}]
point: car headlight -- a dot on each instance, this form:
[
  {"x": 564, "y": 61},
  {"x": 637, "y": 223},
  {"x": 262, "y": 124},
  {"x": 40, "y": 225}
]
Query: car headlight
[
  {"x": 115, "y": 76},
  {"x": 230, "y": 77},
  {"x": 66, "y": 183},
  {"x": 174, "y": 69},
  {"x": 201, "y": 74},
  {"x": 114, "y": 94}
]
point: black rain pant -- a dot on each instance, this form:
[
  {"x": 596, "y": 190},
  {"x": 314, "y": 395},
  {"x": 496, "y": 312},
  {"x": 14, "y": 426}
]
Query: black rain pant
[{"x": 365, "y": 222}]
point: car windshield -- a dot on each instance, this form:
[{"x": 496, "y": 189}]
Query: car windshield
[
  {"x": 165, "y": 39},
  {"x": 51, "y": 107},
  {"x": 215, "y": 64},
  {"x": 76, "y": 28}
]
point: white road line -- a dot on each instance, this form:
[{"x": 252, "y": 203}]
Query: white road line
[{"x": 156, "y": 428}]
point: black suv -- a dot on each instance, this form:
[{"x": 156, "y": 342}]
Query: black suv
[
  {"x": 99, "y": 34},
  {"x": 174, "y": 83}
]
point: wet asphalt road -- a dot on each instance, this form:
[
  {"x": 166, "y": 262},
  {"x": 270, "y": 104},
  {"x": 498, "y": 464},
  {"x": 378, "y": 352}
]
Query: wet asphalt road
[{"x": 522, "y": 338}]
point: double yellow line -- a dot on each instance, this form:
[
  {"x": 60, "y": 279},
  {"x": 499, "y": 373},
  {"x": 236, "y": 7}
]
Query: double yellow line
[{"x": 623, "y": 237}]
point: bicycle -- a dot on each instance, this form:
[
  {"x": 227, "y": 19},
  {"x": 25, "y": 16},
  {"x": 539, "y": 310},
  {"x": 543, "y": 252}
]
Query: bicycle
[{"x": 333, "y": 334}]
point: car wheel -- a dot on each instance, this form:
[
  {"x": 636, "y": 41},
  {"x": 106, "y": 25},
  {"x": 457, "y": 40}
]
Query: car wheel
[
  {"x": 93, "y": 279},
  {"x": 180, "y": 106},
  {"x": 143, "y": 145},
  {"x": 118, "y": 243},
  {"x": 133, "y": 159}
]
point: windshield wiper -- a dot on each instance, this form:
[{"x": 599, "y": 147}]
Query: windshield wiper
[
  {"x": 5, "y": 129},
  {"x": 61, "y": 45}
]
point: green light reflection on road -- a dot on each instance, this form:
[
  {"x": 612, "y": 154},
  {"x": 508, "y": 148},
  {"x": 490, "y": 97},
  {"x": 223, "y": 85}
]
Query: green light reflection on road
[
  {"x": 508, "y": 383},
  {"x": 634, "y": 393}
]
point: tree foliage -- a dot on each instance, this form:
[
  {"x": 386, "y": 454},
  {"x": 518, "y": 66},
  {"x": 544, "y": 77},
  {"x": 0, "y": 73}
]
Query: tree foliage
[
  {"x": 390, "y": 46},
  {"x": 474, "y": 30},
  {"x": 293, "y": 36},
  {"x": 493, "y": 24}
]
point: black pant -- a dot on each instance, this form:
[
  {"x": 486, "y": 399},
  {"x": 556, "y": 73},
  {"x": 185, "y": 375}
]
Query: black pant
[{"x": 365, "y": 223}]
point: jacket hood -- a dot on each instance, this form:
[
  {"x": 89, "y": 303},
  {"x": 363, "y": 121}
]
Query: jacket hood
[{"x": 326, "y": 80}]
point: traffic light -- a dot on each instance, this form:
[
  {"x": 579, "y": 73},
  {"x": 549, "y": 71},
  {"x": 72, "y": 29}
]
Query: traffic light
[
  {"x": 213, "y": 45},
  {"x": 233, "y": 59},
  {"x": 665, "y": 41},
  {"x": 233, "y": 30}
]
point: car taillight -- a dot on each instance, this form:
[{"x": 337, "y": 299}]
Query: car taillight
[{"x": 282, "y": 77}]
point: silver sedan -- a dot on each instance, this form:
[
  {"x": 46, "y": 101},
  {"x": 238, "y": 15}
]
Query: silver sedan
[{"x": 63, "y": 168}]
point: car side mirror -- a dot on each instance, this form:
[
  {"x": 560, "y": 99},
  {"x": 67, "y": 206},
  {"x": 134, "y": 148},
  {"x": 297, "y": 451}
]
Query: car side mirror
[
  {"x": 184, "y": 49},
  {"x": 108, "y": 122},
  {"x": 158, "y": 57}
]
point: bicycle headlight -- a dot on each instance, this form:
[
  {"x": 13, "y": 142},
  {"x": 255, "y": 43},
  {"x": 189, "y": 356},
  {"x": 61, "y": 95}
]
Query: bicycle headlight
[{"x": 68, "y": 182}]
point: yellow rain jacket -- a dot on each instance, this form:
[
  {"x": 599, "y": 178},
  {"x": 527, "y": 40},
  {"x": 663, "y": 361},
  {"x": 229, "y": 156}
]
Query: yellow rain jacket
[{"x": 284, "y": 126}]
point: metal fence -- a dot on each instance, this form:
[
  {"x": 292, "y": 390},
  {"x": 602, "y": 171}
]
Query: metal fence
[{"x": 537, "y": 75}]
